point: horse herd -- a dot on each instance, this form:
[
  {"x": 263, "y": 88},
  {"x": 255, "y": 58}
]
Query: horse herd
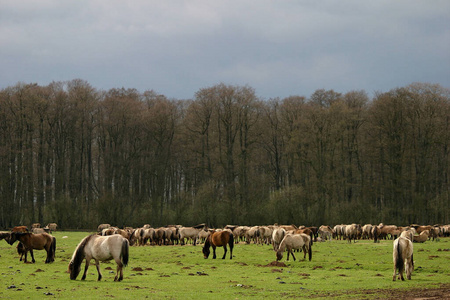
[{"x": 113, "y": 243}]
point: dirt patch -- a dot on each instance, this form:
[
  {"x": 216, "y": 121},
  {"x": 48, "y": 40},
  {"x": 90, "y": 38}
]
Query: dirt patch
[
  {"x": 317, "y": 267},
  {"x": 39, "y": 270},
  {"x": 442, "y": 292},
  {"x": 274, "y": 264},
  {"x": 108, "y": 268},
  {"x": 277, "y": 271},
  {"x": 137, "y": 269}
]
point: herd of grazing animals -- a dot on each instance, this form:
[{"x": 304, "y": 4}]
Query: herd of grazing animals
[{"x": 283, "y": 238}]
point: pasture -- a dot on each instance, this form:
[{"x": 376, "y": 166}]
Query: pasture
[{"x": 340, "y": 270}]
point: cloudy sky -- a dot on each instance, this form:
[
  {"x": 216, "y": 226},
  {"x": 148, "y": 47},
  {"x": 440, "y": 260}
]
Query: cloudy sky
[{"x": 174, "y": 47}]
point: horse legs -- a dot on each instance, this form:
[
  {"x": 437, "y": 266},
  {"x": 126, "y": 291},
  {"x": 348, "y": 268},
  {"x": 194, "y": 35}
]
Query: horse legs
[
  {"x": 85, "y": 269},
  {"x": 214, "y": 251},
  {"x": 292, "y": 252},
  {"x": 224, "y": 251},
  {"x": 97, "y": 264},
  {"x": 32, "y": 257},
  {"x": 119, "y": 272}
]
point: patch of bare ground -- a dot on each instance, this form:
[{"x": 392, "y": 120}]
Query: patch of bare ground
[
  {"x": 274, "y": 264},
  {"x": 442, "y": 292}
]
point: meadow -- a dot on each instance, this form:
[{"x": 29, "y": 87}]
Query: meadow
[{"x": 338, "y": 270}]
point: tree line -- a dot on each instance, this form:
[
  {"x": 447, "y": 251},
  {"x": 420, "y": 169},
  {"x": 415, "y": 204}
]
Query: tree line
[{"x": 79, "y": 156}]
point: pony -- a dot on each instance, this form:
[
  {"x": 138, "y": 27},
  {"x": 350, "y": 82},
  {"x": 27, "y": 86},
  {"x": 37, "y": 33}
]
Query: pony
[
  {"x": 277, "y": 236},
  {"x": 367, "y": 231},
  {"x": 352, "y": 232},
  {"x": 403, "y": 258},
  {"x": 218, "y": 239},
  {"x": 265, "y": 234},
  {"x": 147, "y": 234},
  {"x": 252, "y": 234},
  {"x": 189, "y": 233},
  {"x": 326, "y": 232},
  {"x": 294, "y": 242},
  {"x": 100, "y": 248},
  {"x": 409, "y": 234},
  {"x": 52, "y": 226},
  {"x": 422, "y": 237},
  {"x": 102, "y": 226},
  {"x": 32, "y": 241}
]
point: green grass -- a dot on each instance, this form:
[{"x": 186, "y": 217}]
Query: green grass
[{"x": 338, "y": 269}]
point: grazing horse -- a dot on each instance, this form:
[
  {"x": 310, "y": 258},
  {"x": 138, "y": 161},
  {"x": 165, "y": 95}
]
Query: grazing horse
[
  {"x": 326, "y": 232},
  {"x": 32, "y": 241},
  {"x": 403, "y": 257},
  {"x": 100, "y": 248},
  {"x": 218, "y": 239},
  {"x": 294, "y": 242}
]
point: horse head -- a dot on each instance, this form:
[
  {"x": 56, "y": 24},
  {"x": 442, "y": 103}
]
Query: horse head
[
  {"x": 12, "y": 237},
  {"x": 74, "y": 270},
  {"x": 205, "y": 249}
]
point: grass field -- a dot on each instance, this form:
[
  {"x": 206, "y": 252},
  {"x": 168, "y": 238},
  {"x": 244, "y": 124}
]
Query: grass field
[{"x": 338, "y": 270}]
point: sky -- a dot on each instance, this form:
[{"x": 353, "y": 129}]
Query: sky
[{"x": 175, "y": 48}]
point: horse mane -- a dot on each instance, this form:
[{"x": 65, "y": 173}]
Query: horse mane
[
  {"x": 78, "y": 255},
  {"x": 282, "y": 245}
]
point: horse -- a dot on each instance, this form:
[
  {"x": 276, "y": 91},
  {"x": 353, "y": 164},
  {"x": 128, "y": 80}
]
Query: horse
[
  {"x": 190, "y": 233},
  {"x": 218, "y": 239},
  {"x": 326, "y": 232},
  {"x": 32, "y": 241},
  {"x": 403, "y": 258},
  {"x": 100, "y": 248},
  {"x": 102, "y": 226},
  {"x": 52, "y": 226},
  {"x": 409, "y": 234},
  {"x": 422, "y": 237},
  {"x": 294, "y": 242},
  {"x": 277, "y": 236},
  {"x": 352, "y": 231}
]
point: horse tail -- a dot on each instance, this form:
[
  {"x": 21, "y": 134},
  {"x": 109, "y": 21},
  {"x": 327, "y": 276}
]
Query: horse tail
[
  {"x": 53, "y": 249},
  {"x": 399, "y": 263},
  {"x": 375, "y": 234},
  {"x": 231, "y": 241},
  {"x": 125, "y": 252},
  {"x": 311, "y": 234},
  {"x": 310, "y": 250}
]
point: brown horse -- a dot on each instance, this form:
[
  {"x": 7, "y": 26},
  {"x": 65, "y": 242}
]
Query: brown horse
[
  {"x": 218, "y": 239},
  {"x": 32, "y": 241}
]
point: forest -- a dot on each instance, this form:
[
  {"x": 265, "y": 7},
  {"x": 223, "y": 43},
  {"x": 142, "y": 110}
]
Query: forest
[{"x": 80, "y": 156}]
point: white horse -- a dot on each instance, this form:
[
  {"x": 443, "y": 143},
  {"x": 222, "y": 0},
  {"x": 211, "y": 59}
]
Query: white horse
[
  {"x": 403, "y": 257},
  {"x": 100, "y": 248},
  {"x": 277, "y": 236},
  {"x": 294, "y": 242}
]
